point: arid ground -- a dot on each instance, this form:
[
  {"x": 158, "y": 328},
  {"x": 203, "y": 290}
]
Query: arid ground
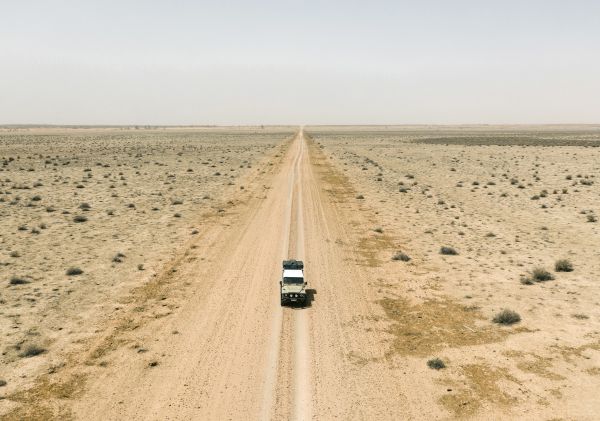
[{"x": 454, "y": 273}]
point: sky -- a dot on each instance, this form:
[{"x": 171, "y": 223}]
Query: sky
[{"x": 299, "y": 62}]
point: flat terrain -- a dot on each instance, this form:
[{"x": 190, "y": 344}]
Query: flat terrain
[
  {"x": 180, "y": 233},
  {"x": 508, "y": 200},
  {"x": 119, "y": 205}
]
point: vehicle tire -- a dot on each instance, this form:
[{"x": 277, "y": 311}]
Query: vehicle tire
[{"x": 282, "y": 303}]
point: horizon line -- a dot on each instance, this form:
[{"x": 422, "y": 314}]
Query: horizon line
[{"x": 150, "y": 126}]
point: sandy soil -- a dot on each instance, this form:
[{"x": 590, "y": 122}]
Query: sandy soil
[
  {"x": 508, "y": 200},
  {"x": 143, "y": 193},
  {"x": 200, "y": 334}
]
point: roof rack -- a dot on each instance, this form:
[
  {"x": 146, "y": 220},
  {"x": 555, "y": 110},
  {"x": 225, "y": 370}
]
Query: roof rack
[{"x": 293, "y": 264}]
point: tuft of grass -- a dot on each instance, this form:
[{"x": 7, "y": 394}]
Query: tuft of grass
[
  {"x": 2, "y": 383},
  {"x": 118, "y": 258},
  {"x": 85, "y": 206},
  {"x": 80, "y": 218},
  {"x": 74, "y": 271},
  {"x": 400, "y": 256},
  {"x": 140, "y": 266},
  {"x": 591, "y": 218},
  {"x": 436, "y": 364},
  {"x": 378, "y": 229},
  {"x": 360, "y": 196},
  {"x": 580, "y": 316},
  {"x": 507, "y": 317},
  {"x": 449, "y": 251},
  {"x": 14, "y": 254},
  {"x": 541, "y": 275},
  {"x": 563, "y": 265},
  {"x": 32, "y": 351}
]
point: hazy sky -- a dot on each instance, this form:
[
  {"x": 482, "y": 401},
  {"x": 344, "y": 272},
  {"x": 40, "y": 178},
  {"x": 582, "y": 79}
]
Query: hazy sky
[{"x": 311, "y": 62}]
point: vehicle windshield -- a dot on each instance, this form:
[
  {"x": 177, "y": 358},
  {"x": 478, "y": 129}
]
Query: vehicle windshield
[{"x": 293, "y": 281}]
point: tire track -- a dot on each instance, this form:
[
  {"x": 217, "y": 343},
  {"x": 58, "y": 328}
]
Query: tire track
[{"x": 302, "y": 396}]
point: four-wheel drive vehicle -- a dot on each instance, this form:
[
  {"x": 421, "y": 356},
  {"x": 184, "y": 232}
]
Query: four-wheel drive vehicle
[{"x": 292, "y": 285}]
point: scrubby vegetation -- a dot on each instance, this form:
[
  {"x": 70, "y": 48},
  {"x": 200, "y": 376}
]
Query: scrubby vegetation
[
  {"x": 449, "y": 251},
  {"x": 541, "y": 275},
  {"x": 15, "y": 280},
  {"x": 80, "y": 218},
  {"x": 436, "y": 364},
  {"x": 31, "y": 351},
  {"x": 563, "y": 265},
  {"x": 401, "y": 256},
  {"x": 507, "y": 317},
  {"x": 74, "y": 271}
]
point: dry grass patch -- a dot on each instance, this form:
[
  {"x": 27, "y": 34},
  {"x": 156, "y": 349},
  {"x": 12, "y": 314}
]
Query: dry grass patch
[
  {"x": 369, "y": 249},
  {"x": 535, "y": 364},
  {"x": 420, "y": 329},
  {"x": 478, "y": 384},
  {"x": 45, "y": 400}
]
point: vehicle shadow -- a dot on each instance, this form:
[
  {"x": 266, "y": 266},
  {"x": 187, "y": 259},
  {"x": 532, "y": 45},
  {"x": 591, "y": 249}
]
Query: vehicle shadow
[{"x": 310, "y": 297}]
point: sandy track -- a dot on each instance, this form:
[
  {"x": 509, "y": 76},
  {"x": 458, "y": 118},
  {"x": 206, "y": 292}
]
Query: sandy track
[{"x": 302, "y": 402}]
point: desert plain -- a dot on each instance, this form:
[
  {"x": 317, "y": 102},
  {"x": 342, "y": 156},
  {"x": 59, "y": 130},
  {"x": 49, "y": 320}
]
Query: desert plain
[{"x": 454, "y": 272}]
